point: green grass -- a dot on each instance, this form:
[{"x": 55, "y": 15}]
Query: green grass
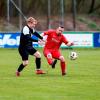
[{"x": 81, "y": 83}]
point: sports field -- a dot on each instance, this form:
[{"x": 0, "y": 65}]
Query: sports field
[{"x": 81, "y": 83}]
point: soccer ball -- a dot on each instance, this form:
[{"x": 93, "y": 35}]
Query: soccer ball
[{"x": 73, "y": 55}]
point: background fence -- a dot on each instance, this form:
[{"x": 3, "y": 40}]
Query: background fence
[{"x": 75, "y": 15}]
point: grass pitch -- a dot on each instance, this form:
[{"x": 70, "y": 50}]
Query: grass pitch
[{"x": 81, "y": 83}]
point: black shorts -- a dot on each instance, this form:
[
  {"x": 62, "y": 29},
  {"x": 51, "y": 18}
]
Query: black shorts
[{"x": 26, "y": 51}]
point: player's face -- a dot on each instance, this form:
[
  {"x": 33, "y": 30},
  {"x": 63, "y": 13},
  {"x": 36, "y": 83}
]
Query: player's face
[
  {"x": 59, "y": 30},
  {"x": 33, "y": 24}
]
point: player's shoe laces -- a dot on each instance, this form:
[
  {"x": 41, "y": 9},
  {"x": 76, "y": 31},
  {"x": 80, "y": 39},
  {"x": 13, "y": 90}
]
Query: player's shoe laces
[
  {"x": 54, "y": 63},
  {"x": 40, "y": 72},
  {"x": 17, "y": 73}
]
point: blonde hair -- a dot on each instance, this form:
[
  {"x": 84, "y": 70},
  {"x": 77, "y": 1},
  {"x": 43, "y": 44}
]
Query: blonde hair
[{"x": 31, "y": 19}]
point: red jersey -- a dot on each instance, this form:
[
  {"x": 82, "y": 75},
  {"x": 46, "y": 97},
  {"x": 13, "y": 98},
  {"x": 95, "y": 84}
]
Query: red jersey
[{"x": 54, "y": 40}]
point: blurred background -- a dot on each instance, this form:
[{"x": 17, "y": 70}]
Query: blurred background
[{"x": 74, "y": 15}]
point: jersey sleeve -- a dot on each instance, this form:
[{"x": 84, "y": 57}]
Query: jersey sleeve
[
  {"x": 48, "y": 32},
  {"x": 38, "y": 35},
  {"x": 26, "y": 33},
  {"x": 64, "y": 39},
  {"x": 30, "y": 38},
  {"x": 25, "y": 30}
]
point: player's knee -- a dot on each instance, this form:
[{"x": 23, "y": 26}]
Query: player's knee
[
  {"x": 62, "y": 59},
  {"x": 37, "y": 54},
  {"x": 25, "y": 63},
  {"x": 49, "y": 55}
]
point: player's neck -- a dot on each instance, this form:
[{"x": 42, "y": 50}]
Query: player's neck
[{"x": 58, "y": 34}]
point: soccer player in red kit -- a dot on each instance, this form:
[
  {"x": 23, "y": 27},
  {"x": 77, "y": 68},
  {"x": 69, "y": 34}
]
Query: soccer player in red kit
[{"x": 51, "y": 49}]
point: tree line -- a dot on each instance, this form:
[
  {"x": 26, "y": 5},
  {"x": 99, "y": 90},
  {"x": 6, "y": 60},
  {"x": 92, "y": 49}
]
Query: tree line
[{"x": 40, "y": 7}]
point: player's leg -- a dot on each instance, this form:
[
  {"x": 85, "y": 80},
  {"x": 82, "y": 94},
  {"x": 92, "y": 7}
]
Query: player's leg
[
  {"x": 37, "y": 54},
  {"x": 63, "y": 65},
  {"x": 21, "y": 67},
  {"x": 48, "y": 55},
  {"x": 57, "y": 55},
  {"x": 50, "y": 60},
  {"x": 24, "y": 63},
  {"x": 38, "y": 63},
  {"x": 54, "y": 63}
]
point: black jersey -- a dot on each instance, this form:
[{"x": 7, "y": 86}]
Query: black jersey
[{"x": 26, "y": 36}]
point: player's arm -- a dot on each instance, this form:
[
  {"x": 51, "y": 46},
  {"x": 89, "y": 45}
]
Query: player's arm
[
  {"x": 41, "y": 41},
  {"x": 68, "y": 43},
  {"x": 30, "y": 38},
  {"x": 27, "y": 35},
  {"x": 46, "y": 33},
  {"x": 38, "y": 35}
]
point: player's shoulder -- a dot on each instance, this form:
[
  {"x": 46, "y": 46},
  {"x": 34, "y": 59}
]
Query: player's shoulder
[
  {"x": 51, "y": 30},
  {"x": 63, "y": 36},
  {"x": 25, "y": 28}
]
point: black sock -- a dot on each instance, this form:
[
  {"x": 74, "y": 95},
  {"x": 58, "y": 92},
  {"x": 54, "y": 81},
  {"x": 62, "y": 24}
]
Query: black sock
[
  {"x": 38, "y": 63},
  {"x": 21, "y": 67}
]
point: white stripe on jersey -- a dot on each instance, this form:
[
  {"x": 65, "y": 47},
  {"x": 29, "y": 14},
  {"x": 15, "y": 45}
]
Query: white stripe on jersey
[{"x": 26, "y": 30}]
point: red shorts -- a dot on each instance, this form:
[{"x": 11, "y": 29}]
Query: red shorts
[{"x": 55, "y": 53}]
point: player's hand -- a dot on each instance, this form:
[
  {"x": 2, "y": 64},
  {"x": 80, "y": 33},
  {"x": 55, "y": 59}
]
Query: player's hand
[
  {"x": 41, "y": 42},
  {"x": 70, "y": 44}
]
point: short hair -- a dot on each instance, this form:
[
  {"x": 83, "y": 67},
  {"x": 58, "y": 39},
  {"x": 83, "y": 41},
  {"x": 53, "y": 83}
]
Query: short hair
[{"x": 61, "y": 26}]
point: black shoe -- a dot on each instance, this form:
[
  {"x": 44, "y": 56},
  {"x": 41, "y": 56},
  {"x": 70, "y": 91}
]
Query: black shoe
[{"x": 54, "y": 63}]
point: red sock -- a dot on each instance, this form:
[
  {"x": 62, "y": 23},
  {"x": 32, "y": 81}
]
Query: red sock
[
  {"x": 50, "y": 60},
  {"x": 63, "y": 67}
]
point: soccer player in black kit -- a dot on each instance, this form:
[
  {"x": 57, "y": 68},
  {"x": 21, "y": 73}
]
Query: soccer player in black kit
[{"x": 26, "y": 48}]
